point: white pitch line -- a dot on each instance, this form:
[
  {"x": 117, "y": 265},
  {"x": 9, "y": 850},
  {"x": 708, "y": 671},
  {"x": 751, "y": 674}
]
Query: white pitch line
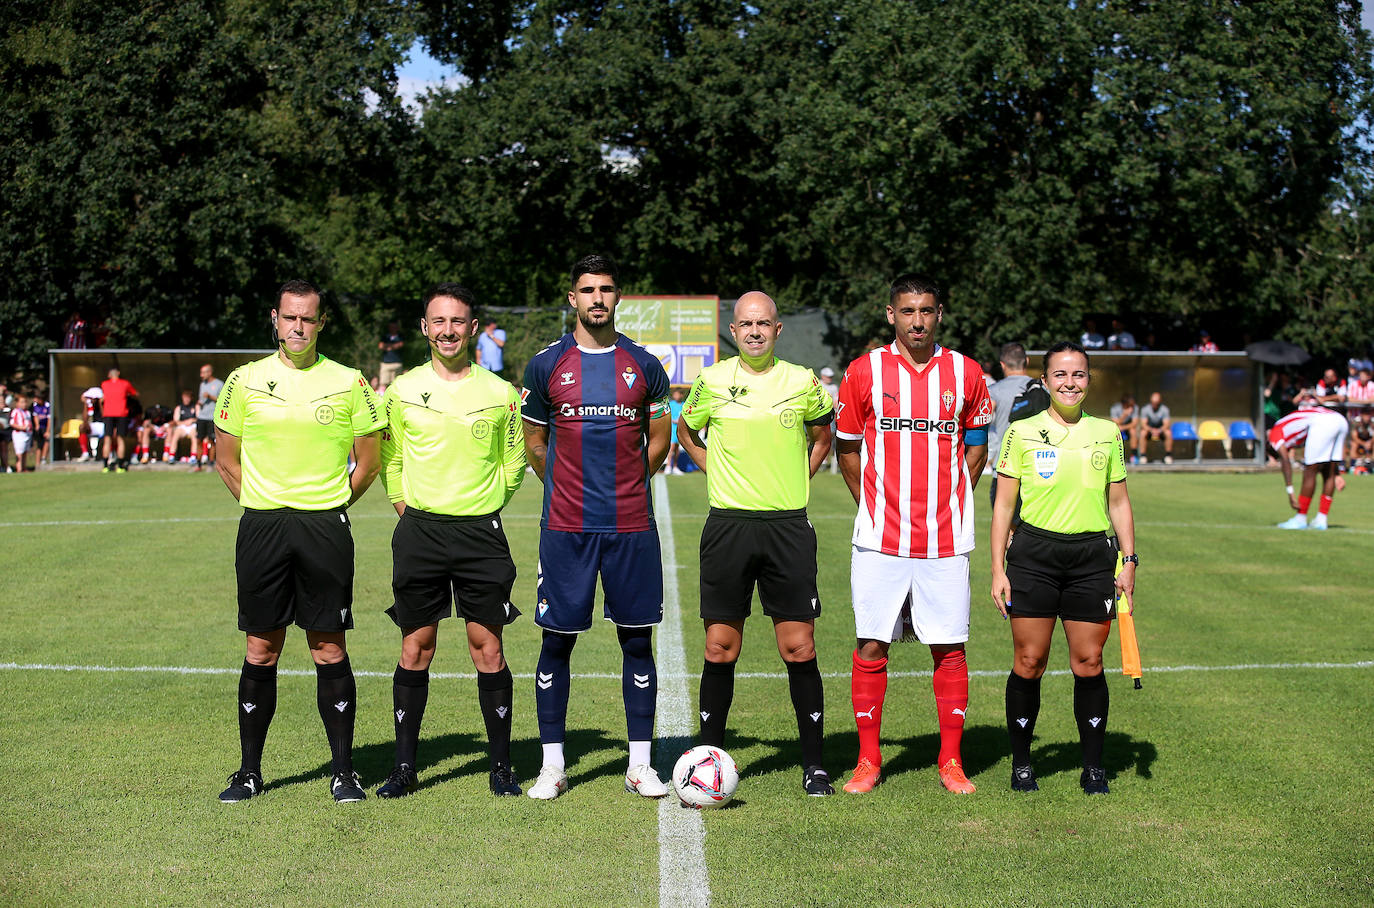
[
  {"x": 682, "y": 878},
  {"x": 678, "y": 677}
]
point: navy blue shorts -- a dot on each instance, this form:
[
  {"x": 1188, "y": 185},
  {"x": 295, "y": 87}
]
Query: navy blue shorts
[{"x": 631, "y": 569}]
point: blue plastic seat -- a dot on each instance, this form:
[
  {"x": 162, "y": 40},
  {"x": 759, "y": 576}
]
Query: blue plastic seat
[
  {"x": 1183, "y": 431},
  {"x": 1241, "y": 430}
]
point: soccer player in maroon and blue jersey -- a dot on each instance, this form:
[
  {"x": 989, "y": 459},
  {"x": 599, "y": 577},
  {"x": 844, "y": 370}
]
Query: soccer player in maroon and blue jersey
[{"x": 597, "y": 428}]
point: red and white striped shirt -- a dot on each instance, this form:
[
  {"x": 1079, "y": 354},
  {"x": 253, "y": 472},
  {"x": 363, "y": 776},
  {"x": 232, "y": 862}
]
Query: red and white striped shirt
[
  {"x": 1291, "y": 431},
  {"x": 1357, "y": 391},
  {"x": 916, "y": 499}
]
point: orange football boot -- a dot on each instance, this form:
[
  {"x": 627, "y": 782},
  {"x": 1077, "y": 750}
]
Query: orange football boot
[
  {"x": 866, "y": 777},
  {"x": 952, "y": 777}
]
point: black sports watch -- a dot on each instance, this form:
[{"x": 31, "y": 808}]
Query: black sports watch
[{"x": 1131, "y": 559}]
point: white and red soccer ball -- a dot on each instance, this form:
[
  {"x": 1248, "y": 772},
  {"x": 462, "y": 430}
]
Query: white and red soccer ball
[{"x": 705, "y": 777}]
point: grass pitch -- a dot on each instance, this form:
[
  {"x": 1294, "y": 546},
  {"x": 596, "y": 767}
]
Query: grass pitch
[{"x": 1229, "y": 784}]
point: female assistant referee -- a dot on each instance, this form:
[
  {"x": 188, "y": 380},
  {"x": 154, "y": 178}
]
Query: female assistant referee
[{"x": 1069, "y": 470}]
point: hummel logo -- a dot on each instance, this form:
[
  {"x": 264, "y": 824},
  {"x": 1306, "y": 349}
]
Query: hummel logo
[
  {"x": 867, "y": 715},
  {"x": 400, "y": 715},
  {"x": 641, "y": 681},
  {"x": 567, "y": 378},
  {"x": 341, "y": 705},
  {"x": 1095, "y": 721},
  {"x": 815, "y": 717},
  {"x": 249, "y": 707},
  {"x": 1022, "y": 722},
  {"x": 544, "y": 681},
  {"x": 959, "y": 712},
  {"x": 502, "y": 710},
  {"x": 705, "y": 715}
]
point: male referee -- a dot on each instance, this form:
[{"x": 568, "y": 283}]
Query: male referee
[
  {"x": 285, "y": 427},
  {"x": 596, "y": 429},
  {"x": 762, "y": 412},
  {"x": 453, "y": 454}
]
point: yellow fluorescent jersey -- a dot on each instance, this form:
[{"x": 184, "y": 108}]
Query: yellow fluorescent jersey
[
  {"x": 1063, "y": 470},
  {"x": 452, "y": 447},
  {"x": 756, "y": 445},
  {"x": 296, "y": 427}
]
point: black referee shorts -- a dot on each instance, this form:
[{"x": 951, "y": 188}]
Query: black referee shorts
[
  {"x": 775, "y": 549},
  {"x": 436, "y": 559},
  {"x": 294, "y": 566},
  {"x": 1053, "y": 575}
]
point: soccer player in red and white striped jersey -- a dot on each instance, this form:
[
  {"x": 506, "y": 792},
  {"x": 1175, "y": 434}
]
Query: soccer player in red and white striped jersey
[
  {"x": 911, "y": 424},
  {"x": 1321, "y": 433}
]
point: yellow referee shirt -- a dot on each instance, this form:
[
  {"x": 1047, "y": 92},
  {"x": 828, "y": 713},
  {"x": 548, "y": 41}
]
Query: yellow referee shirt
[
  {"x": 296, "y": 427},
  {"x": 452, "y": 447},
  {"x": 1063, "y": 470},
  {"x": 756, "y": 446}
]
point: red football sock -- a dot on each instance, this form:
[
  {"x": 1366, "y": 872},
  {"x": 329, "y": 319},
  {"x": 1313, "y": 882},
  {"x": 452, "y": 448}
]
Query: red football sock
[
  {"x": 868, "y": 689},
  {"x": 1324, "y": 506},
  {"x": 1303, "y": 504},
  {"x": 951, "y": 700}
]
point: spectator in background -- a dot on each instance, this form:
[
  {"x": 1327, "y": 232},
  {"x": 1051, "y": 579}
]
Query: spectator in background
[
  {"x": 152, "y": 427},
  {"x": 6, "y": 407},
  {"x": 1153, "y": 424},
  {"x": 1330, "y": 391},
  {"x": 390, "y": 345},
  {"x": 74, "y": 332},
  {"x": 183, "y": 425},
  {"x": 116, "y": 393},
  {"x": 1124, "y": 413},
  {"x": 205, "y": 415},
  {"x": 92, "y": 429},
  {"x": 1204, "y": 343},
  {"x": 828, "y": 383},
  {"x": 1121, "y": 339},
  {"x": 1359, "y": 393},
  {"x": 1003, "y": 393},
  {"x": 21, "y": 432},
  {"x": 42, "y": 418},
  {"x": 490, "y": 348},
  {"x": 1091, "y": 340},
  {"x": 1361, "y": 445},
  {"x": 675, "y": 411}
]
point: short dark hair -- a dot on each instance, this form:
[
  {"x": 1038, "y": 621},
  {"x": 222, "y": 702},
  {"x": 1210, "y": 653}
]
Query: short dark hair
[
  {"x": 913, "y": 282},
  {"x": 594, "y": 264},
  {"x": 298, "y": 287},
  {"x": 1013, "y": 355},
  {"x": 1064, "y": 347},
  {"x": 448, "y": 288}
]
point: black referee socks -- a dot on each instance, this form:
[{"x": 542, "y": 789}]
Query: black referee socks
[
  {"x": 714, "y": 699},
  {"x": 336, "y": 694},
  {"x": 409, "y": 694},
  {"x": 808, "y": 699},
  {"x": 496, "y": 694},
  {"x": 257, "y": 703},
  {"x": 1090, "y": 709},
  {"x": 1023, "y": 706}
]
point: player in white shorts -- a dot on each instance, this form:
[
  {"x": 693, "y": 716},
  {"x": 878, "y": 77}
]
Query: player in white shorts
[
  {"x": 1321, "y": 433},
  {"x": 911, "y": 424}
]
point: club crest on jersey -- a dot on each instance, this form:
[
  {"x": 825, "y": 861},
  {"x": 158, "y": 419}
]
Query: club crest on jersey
[
  {"x": 1046, "y": 462},
  {"x": 788, "y": 419},
  {"x": 481, "y": 429},
  {"x": 629, "y": 376},
  {"x": 1099, "y": 460},
  {"x": 947, "y": 398},
  {"x": 324, "y": 414},
  {"x": 568, "y": 379}
]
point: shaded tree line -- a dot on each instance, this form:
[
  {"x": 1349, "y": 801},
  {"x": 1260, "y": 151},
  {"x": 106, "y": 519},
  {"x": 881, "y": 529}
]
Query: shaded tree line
[{"x": 1184, "y": 164}]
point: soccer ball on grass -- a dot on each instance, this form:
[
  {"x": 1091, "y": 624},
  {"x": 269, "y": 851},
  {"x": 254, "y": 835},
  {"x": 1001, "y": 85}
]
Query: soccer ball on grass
[{"x": 705, "y": 777}]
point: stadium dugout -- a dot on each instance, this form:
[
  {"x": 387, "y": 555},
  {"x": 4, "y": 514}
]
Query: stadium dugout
[
  {"x": 159, "y": 375},
  {"x": 1226, "y": 387}
]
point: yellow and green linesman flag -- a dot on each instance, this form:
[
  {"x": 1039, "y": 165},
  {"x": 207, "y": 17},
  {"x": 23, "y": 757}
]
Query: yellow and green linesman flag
[{"x": 1130, "y": 647}]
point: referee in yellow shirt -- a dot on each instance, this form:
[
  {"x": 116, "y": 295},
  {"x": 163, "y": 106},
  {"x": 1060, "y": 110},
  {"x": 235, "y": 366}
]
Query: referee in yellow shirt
[
  {"x": 285, "y": 427},
  {"x": 761, "y": 413},
  {"x": 1069, "y": 470},
  {"x": 453, "y": 454}
]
